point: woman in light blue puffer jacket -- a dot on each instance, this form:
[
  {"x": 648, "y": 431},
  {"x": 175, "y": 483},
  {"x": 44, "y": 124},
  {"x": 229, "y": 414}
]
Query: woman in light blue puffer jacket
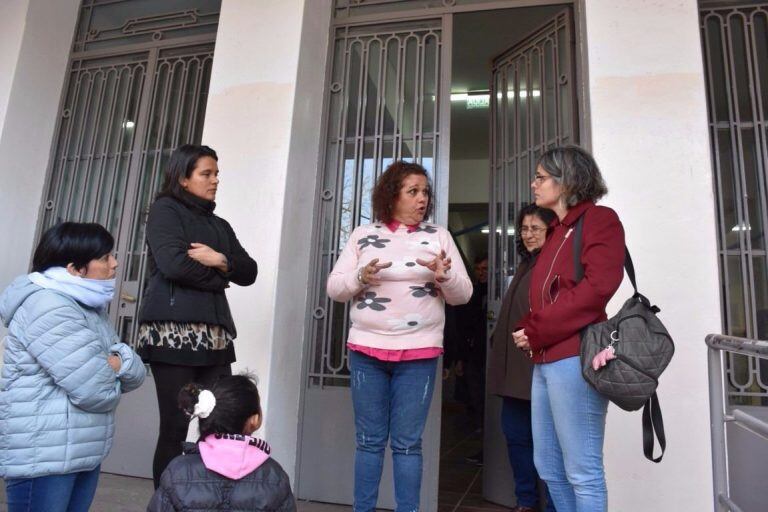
[{"x": 64, "y": 370}]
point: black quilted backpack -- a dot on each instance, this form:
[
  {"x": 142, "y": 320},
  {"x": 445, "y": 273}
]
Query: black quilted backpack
[{"x": 643, "y": 349}]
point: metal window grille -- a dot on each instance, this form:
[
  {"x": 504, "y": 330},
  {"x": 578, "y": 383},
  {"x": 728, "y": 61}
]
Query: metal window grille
[
  {"x": 735, "y": 43},
  {"x": 124, "y": 110},
  {"x": 383, "y": 105},
  {"x": 348, "y": 10},
  {"x": 533, "y": 108}
]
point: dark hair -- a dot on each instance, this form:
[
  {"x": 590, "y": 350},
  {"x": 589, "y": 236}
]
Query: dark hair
[
  {"x": 71, "y": 242},
  {"x": 387, "y": 189},
  {"x": 576, "y": 170},
  {"x": 237, "y": 399},
  {"x": 183, "y": 161},
  {"x": 545, "y": 214}
]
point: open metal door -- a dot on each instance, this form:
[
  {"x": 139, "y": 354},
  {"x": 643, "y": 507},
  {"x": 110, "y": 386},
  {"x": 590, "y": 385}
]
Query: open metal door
[
  {"x": 385, "y": 100},
  {"x": 533, "y": 108}
]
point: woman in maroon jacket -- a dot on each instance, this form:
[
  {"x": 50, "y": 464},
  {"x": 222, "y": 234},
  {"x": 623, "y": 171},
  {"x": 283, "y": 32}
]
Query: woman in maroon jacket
[{"x": 568, "y": 416}]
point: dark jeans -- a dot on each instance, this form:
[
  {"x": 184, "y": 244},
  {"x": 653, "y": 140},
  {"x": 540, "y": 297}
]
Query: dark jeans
[
  {"x": 71, "y": 492},
  {"x": 516, "y": 425},
  {"x": 390, "y": 400},
  {"x": 169, "y": 379}
]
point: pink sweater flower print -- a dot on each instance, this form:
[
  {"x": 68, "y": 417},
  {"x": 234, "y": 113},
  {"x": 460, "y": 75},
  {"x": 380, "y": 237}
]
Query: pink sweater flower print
[{"x": 407, "y": 310}]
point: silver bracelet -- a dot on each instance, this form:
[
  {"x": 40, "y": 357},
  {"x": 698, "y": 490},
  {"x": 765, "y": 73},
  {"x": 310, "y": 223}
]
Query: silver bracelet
[{"x": 360, "y": 275}]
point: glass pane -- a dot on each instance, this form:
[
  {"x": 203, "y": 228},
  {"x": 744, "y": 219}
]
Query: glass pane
[
  {"x": 534, "y": 97},
  {"x": 549, "y": 92},
  {"x": 754, "y": 208},
  {"x": 564, "y": 70},
  {"x": 715, "y": 62},
  {"x": 760, "y": 59},
  {"x": 117, "y": 23},
  {"x": 737, "y": 319},
  {"x": 353, "y": 92},
  {"x": 760, "y": 283},
  {"x": 740, "y": 72},
  {"x": 431, "y": 79},
  {"x": 523, "y": 105},
  {"x": 372, "y": 87},
  {"x": 729, "y": 194}
]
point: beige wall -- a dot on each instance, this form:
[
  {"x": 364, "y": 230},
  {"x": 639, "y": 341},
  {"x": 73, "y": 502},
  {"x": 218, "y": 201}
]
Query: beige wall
[
  {"x": 649, "y": 132},
  {"x": 29, "y": 119}
]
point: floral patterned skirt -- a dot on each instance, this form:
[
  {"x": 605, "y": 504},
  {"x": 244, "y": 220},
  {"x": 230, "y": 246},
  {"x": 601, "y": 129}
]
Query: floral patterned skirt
[{"x": 185, "y": 342}]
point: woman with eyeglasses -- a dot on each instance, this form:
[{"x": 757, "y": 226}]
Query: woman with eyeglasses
[
  {"x": 568, "y": 415},
  {"x": 510, "y": 369}
]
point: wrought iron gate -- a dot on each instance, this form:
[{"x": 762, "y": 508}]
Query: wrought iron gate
[
  {"x": 137, "y": 88},
  {"x": 735, "y": 43},
  {"x": 533, "y": 108},
  {"x": 383, "y": 104}
]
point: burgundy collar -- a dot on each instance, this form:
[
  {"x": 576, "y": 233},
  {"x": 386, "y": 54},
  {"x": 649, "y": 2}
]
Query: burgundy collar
[{"x": 393, "y": 225}]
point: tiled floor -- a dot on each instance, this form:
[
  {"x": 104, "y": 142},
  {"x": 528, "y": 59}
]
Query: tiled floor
[{"x": 459, "y": 489}]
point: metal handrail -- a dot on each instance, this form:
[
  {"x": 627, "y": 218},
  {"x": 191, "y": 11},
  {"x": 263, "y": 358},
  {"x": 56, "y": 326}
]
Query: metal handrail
[{"x": 719, "y": 414}]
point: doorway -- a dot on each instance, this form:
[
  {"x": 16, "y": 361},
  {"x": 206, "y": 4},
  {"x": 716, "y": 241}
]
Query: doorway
[
  {"x": 390, "y": 93},
  {"x": 513, "y": 96}
]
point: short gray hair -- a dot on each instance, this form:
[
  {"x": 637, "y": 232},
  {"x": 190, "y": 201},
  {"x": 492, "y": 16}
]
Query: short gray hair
[{"x": 576, "y": 171}]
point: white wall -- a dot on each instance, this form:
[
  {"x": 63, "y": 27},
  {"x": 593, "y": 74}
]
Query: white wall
[
  {"x": 267, "y": 137},
  {"x": 13, "y": 14},
  {"x": 29, "y": 120},
  {"x": 649, "y": 128}
]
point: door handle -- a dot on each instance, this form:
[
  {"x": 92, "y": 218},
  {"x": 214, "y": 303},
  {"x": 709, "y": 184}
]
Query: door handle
[{"x": 127, "y": 297}]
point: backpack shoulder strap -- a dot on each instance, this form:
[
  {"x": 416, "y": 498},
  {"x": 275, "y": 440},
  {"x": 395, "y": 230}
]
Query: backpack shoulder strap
[{"x": 578, "y": 268}]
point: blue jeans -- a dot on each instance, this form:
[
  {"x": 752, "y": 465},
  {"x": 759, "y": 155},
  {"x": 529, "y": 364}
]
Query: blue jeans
[
  {"x": 568, "y": 418},
  {"x": 71, "y": 492},
  {"x": 516, "y": 425},
  {"x": 390, "y": 401}
]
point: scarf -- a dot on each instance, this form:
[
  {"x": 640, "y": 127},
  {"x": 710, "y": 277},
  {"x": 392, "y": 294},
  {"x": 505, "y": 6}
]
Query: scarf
[{"x": 94, "y": 293}]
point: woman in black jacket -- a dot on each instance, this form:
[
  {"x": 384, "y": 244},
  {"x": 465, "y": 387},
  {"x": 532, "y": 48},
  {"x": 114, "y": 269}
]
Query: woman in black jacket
[{"x": 186, "y": 328}]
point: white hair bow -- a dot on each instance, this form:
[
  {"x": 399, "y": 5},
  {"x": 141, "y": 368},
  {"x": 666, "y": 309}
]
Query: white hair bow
[{"x": 203, "y": 408}]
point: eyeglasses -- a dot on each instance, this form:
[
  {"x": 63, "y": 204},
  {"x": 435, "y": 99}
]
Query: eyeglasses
[{"x": 534, "y": 230}]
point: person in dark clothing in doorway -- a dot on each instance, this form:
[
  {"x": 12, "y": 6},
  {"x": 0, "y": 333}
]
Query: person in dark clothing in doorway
[
  {"x": 186, "y": 328},
  {"x": 472, "y": 323},
  {"x": 510, "y": 370}
]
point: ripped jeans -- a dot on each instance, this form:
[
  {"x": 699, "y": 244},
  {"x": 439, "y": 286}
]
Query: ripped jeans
[{"x": 390, "y": 400}]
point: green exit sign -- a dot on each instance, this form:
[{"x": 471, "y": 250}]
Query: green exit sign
[{"x": 478, "y": 101}]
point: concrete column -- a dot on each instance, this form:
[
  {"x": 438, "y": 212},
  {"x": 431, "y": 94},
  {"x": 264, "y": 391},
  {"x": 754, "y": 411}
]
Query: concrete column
[
  {"x": 649, "y": 132},
  {"x": 28, "y": 114},
  {"x": 263, "y": 118},
  {"x": 13, "y": 15}
]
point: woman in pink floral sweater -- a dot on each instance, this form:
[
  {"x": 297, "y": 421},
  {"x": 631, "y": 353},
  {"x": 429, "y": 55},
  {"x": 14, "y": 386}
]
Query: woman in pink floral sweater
[{"x": 398, "y": 272}]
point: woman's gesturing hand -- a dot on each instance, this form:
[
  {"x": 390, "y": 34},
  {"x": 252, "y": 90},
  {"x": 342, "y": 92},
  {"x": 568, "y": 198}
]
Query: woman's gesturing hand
[
  {"x": 367, "y": 274},
  {"x": 440, "y": 266},
  {"x": 207, "y": 256}
]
